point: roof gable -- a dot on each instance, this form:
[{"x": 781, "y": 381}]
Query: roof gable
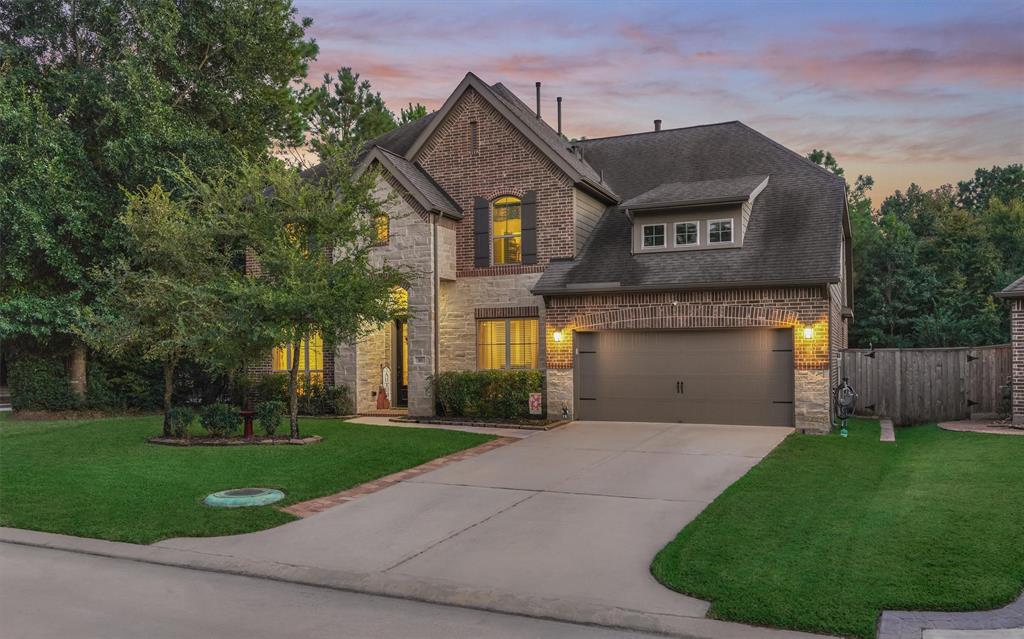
[
  {"x": 534, "y": 129},
  {"x": 415, "y": 181}
]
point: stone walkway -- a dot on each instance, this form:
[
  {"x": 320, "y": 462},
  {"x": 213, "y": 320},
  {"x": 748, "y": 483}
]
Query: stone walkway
[
  {"x": 912, "y": 624},
  {"x": 981, "y": 426}
]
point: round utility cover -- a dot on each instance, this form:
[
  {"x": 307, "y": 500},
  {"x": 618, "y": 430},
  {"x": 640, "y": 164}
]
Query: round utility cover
[{"x": 241, "y": 497}]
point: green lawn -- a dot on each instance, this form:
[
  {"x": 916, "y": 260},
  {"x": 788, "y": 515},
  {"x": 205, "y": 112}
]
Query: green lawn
[
  {"x": 826, "y": 532},
  {"x": 99, "y": 478}
]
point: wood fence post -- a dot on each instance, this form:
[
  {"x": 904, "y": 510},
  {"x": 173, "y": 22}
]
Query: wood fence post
[{"x": 898, "y": 417}]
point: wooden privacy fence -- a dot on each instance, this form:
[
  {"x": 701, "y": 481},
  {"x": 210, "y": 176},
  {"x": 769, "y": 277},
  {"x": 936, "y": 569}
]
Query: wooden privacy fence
[{"x": 914, "y": 385}]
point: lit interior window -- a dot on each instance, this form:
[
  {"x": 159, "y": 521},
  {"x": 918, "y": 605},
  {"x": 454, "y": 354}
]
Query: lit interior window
[
  {"x": 510, "y": 343},
  {"x": 507, "y": 230}
]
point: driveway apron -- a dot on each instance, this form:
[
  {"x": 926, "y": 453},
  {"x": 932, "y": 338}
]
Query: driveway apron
[{"x": 575, "y": 513}]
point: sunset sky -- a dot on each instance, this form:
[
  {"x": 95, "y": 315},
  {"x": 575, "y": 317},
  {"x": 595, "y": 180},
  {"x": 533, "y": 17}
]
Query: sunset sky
[{"x": 922, "y": 92}]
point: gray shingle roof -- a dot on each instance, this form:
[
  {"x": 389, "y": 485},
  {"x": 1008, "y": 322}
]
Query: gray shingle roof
[
  {"x": 1013, "y": 290},
  {"x": 694, "y": 193},
  {"x": 423, "y": 187},
  {"x": 794, "y": 235}
]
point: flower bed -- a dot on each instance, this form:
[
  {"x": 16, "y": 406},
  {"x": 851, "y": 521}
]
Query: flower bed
[{"x": 234, "y": 441}]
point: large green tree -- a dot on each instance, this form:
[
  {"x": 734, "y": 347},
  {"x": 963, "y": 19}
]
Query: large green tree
[
  {"x": 312, "y": 242},
  {"x": 98, "y": 98}
]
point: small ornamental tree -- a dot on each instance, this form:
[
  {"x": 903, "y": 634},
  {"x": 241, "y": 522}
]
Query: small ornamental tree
[
  {"x": 162, "y": 294},
  {"x": 308, "y": 242}
]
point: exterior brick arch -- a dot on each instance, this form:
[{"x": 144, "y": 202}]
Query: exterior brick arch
[{"x": 688, "y": 316}]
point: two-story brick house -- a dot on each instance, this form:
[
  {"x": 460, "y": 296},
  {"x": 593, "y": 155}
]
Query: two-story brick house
[{"x": 697, "y": 275}]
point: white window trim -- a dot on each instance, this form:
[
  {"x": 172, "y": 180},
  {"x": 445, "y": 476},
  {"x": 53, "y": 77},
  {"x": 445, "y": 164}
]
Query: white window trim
[
  {"x": 732, "y": 231},
  {"x": 664, "y": 235},
  {"x": 675, "y": 234}
]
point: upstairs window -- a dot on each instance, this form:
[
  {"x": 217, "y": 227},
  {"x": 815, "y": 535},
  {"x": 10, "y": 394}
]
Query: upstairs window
[
  {"x": 719, "y": 231},
  {"x": 687, "y": 234},
  {"x": 507, "y": 230},
  {"x": 654, "y": 235}
]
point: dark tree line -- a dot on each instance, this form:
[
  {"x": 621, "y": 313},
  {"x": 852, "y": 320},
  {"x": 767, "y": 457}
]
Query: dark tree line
[{"x": 926, "y": 263}]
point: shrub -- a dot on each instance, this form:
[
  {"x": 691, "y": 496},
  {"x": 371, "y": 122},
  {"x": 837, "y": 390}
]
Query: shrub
[
  {"x": 220, "y": 420},
  {"x": 180, "y": 418},
  {"x": 339, "y": 400},
  {"x": 499, "y": 393},
  {"x": 271, "y": 387},
  {"x": 312, "y": 396},
  {"x": 39, "y": 383},
  {"x": 268, "y": 414}
]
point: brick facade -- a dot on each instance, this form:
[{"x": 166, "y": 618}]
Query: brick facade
[
  {"x": 1017, "y": 340},
  {"x": 504, "y": 162},
  {"x": 796, "y": 308}
]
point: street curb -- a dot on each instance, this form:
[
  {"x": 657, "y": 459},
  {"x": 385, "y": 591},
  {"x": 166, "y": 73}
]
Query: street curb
[{"x": 412, "y": 588}]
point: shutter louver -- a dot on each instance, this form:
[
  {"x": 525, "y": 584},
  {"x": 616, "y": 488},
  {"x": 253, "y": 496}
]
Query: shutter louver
[
  {"x": 481, "y": 232},
  {"x": 530, "y": 227}
]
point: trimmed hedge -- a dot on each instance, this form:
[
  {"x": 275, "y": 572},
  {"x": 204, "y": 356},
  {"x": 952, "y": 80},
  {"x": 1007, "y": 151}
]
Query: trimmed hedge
[
  {"x": 497, "y": 393},
  {"x": 220, "y": 420},
  {"x": 40, "y": 383}
]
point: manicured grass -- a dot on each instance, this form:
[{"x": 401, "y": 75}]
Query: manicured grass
[
  {"x": 99, "y": 478},
  {"x": 826, "y": 532}
]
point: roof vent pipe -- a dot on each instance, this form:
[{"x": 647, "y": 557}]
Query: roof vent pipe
[
  {"x": 559, "y": 101},
  {"x": 538, "y": 100},
  {"x": 657, "y": 125}
]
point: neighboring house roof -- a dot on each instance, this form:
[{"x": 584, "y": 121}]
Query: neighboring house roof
[
  {"x": 794, "y": 236},
  {"x": 415, "y": 180},
  {"x": 525, "y": 120},
  {"x": 1014, "y": 290},
  {"x": 676, "y": 194}
]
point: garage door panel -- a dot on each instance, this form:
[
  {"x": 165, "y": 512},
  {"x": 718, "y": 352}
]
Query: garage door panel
[{"x": 719, "y": 376}]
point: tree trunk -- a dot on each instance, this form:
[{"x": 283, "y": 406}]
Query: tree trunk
[
  {"x": 293, "y": 392},
  {"x": 77, "y": 379},
  {"x": 168, "y": 391}
]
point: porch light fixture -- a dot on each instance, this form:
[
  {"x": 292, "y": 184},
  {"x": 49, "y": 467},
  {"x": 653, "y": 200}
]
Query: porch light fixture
[
  {"x": 557, "y": 336},
  {"x": 808, "y": 332}
]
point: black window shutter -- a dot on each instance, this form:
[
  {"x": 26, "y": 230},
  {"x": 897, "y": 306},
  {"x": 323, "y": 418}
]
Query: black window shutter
[
  {"x": 530, "y": 227},
  {"x": 481, "y": 232}
]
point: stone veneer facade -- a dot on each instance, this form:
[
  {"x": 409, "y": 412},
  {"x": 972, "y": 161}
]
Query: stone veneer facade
[{"x": 1017, "y": 358}]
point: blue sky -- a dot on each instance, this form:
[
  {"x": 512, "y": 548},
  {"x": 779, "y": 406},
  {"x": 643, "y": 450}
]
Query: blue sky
[{"x": 906, "y": 91}]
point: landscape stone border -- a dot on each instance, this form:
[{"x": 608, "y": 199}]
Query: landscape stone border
[
  {"x": 235, "y": 441},
  {"x": 320, "y": 504},
  {"x": 455, "y": 421},
  {"x": 911, "y": 624}
]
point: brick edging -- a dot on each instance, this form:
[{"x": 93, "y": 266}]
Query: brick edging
[{"x": 320, "y": 504}]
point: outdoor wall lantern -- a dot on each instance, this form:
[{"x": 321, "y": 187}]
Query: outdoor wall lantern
[
  {"x": 808, "y": 332},
  {"x": 557, "y": 336}
]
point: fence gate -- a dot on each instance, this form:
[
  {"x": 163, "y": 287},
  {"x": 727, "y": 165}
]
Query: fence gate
[{"x": 913, "y": 385}]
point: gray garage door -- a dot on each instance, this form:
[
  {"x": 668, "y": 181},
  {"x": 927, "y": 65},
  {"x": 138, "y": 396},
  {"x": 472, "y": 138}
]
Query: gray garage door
[{"x": 742, "y": 376}]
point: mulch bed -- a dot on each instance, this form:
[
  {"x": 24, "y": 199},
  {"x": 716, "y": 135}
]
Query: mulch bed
[
  {"x": 235, "y": 441},
  {"x": 491, "y": 422}
]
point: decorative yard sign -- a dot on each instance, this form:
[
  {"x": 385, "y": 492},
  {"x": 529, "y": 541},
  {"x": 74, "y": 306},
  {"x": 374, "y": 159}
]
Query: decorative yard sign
[{"x": 535, "y": 404}]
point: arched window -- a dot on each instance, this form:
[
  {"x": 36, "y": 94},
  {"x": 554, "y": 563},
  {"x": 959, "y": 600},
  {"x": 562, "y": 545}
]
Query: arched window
[{"x": 507, "y": 230}]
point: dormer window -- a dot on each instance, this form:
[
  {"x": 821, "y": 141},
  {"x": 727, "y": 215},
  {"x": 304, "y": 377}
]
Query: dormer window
[
  {"x": 654, "y": 235},
  {"x": 507, "y": 230},
  {"x": 720, "y": 232},
  {"x": 687, "y": 233}
]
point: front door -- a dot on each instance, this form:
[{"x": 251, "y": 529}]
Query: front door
[{"x": 401, "y": 363}]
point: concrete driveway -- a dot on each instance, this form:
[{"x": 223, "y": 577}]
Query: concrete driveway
[{"x": 575, "y": 513}]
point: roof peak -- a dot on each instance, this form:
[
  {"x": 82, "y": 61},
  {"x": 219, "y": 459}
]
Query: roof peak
[{"x": 680, "y": 128}]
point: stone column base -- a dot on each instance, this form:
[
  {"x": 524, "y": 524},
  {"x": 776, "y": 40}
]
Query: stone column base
[
  {"x": 811, "y": 400},
  {"x": 559, "y": 392}
]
